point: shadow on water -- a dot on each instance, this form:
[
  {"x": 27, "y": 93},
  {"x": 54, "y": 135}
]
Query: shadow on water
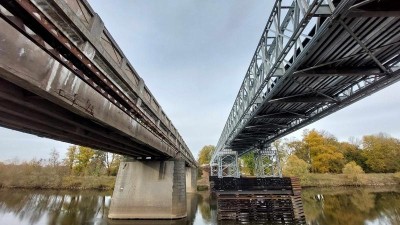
[{"x": 378, "y": 205}]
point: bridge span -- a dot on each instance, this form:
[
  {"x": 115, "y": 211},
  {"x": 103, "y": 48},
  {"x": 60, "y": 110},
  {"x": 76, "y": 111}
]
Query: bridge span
[
  {"x": 63, "y": 76},
  {"x": 314, "y": 58}
]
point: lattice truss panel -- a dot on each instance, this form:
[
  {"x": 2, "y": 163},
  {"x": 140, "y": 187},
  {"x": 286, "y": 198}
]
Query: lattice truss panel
[{"x": 267, "y": 163}]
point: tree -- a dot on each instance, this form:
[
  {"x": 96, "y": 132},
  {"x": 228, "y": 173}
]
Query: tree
[
  {"x": 205, "y": 154},
  {"x": 353, "y": 152},
  {"x": 249, "y": 163},
  {"x": 112, "y": 162},
  {"x": 320, "y": 150},
  {"x": 382, "y": 153},
  {"x": 71, "y": 156},
  {"x": 83, "y": 158},
  {"x": 54, "y": 158}
]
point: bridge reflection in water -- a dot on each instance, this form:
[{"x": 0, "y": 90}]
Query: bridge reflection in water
[{"x": 321, "y": 206}]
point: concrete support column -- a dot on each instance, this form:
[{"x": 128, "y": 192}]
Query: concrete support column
[
  {"x": 191, "y": 179},
  {"x": 149, "y": 190}
]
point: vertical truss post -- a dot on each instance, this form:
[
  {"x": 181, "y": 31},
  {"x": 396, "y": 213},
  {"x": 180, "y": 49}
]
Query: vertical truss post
[
  {"x": 267, "y": 162},
  {"x": 227, "y": 165}
]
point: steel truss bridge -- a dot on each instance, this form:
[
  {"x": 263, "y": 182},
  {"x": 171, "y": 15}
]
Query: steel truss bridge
[{"x": 314, "y": 58}]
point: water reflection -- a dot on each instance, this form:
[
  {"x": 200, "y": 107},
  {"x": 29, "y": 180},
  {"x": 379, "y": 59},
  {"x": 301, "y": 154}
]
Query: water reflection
[
  {"x": 377, "y": 205},
  {"x": 321, "y": 206}
]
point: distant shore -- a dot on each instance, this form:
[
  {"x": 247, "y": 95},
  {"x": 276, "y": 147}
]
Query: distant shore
[
  {"x": 336, "y": 180},
  {"x": 62, "y": 183}
]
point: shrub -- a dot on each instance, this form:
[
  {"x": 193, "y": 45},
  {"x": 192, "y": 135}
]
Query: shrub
[
  {"x": 352, "y": 168},
  {"x": 397, "y": 177},
  {"x": 296, "y": 167}
]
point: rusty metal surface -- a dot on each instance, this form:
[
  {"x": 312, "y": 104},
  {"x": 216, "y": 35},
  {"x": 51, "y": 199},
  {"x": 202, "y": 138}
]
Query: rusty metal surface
[{"x": 279, "y": 202}]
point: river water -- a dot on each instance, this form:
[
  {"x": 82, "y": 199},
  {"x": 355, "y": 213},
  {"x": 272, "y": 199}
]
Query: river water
[{"x": 353, "y": 206}]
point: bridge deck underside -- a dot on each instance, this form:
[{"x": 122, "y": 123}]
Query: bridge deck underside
[
  {"x": 334, "y": 64},
  {"x": 29, "y": 113}
]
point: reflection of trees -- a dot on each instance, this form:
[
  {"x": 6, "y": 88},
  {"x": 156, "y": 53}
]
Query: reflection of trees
[
  {"x": 204, "y": 206},
  {"x": 58, "y": 207},
  {"x": 350, "y": 206}
]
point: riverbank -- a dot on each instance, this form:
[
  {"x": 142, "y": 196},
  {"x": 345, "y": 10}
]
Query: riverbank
[
  {"x": 336, "y": 180},
  {"x": 107, "y": 182},
  {"x": 61, "y": 182}
]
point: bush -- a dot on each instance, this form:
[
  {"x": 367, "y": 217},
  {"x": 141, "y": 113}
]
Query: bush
[
  {"x": 296, "y": 167},
  {"x": 352, "y": 168},
  {"x": 397, "y": 177}
]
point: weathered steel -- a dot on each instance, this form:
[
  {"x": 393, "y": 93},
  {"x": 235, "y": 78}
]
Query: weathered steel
[
  {"x": 274, "y": 200},
  {"x": 313, "y": 58}
]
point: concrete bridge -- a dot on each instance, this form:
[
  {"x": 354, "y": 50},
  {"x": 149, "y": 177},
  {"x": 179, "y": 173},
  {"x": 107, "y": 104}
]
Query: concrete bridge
[{"x": 62, "y": 76}]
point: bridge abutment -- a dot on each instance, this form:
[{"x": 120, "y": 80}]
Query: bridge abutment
[
  {"x": 191, "y": 180},
  {"x": 149, "y": 190}
]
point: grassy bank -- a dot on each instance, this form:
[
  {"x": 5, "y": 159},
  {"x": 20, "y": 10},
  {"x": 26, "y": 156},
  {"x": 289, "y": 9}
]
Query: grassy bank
[
  {"x": 335, "y": 180},
  {"x": 58, "y": 182}
]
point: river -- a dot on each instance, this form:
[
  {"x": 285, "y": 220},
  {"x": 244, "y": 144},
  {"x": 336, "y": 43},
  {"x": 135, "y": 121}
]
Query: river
[{"x": 353, "y": 206}]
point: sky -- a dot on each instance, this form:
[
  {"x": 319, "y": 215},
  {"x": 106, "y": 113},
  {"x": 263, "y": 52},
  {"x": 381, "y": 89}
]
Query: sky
[{"x": 193, "y": 56}]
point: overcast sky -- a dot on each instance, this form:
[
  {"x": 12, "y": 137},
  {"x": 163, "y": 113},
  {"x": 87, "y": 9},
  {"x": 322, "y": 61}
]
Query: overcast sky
[{"x": 193, "y": 56}]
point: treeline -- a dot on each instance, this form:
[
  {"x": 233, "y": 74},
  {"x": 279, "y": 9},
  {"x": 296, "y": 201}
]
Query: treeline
[
  {"x": 84, "y": 161},
  {"x": 321, "y": 152},
  {"x": 81, "y": 168}
]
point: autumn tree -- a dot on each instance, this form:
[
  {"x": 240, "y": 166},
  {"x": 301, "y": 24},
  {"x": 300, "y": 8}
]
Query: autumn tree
[
  {"x": 112, "y": 162},
  {"x": 70, "y": 157},
  {"x": 320, "y": 150},
  {"x": 86, "y": 161},
  {"x": 353, "y": 152},
  {"x": 382, "y": 153},
  {"x": 83, "y": 158},
  {"x": 205, "y": 154}
]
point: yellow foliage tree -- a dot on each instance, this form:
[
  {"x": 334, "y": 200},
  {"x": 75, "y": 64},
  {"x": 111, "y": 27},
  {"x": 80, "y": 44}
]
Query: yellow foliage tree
[{"x": 205, "y": 154}]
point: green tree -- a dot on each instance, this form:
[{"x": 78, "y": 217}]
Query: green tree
[
  {"x": 248, "y": 163},
  {"x": 205, "y": 154}
]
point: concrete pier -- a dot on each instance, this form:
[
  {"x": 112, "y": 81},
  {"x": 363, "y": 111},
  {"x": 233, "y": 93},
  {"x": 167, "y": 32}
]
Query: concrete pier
[
  {"x": 149, "y": 190},
  {"x": 191, "y": 180}
]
